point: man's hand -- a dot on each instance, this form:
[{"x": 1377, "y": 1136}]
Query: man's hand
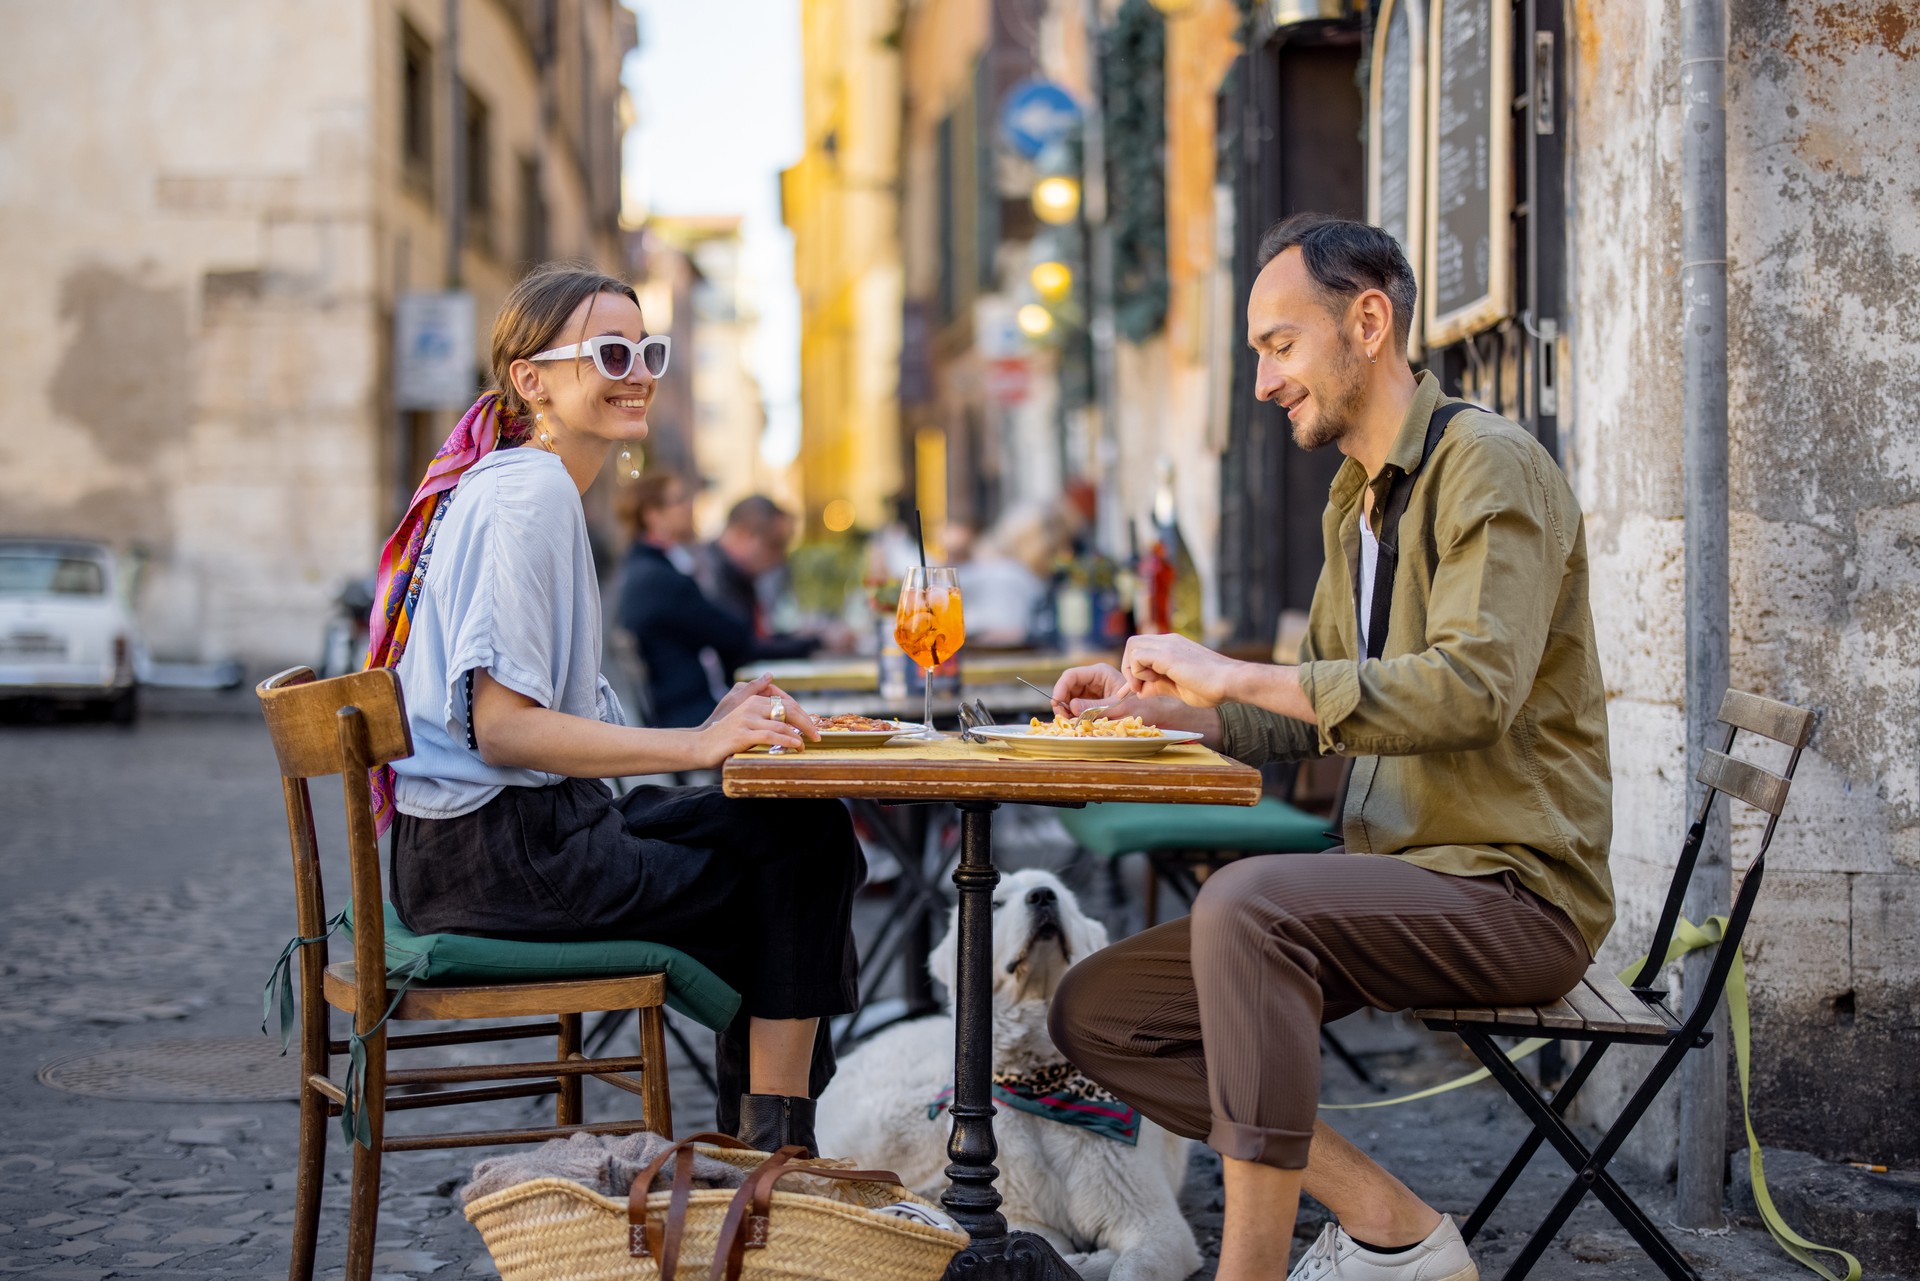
[
  {"x": 1095, "y": 685},
  {"x": 1173, "y": 666},
  {"x": 1101, "y": 685}
]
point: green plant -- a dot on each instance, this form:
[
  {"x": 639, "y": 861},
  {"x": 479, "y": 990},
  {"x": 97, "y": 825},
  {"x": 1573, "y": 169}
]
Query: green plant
[
  {"x": 1133, "y": 55},
  {"x": 825, "y": 571}
]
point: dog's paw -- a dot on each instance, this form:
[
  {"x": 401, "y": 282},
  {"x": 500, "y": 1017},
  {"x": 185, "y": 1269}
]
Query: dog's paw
[{"x": 1092, "y": 1265}]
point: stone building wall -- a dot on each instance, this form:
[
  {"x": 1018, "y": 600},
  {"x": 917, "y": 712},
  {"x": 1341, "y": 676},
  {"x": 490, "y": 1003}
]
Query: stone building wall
[
  {"x": 1823, "y": 191},
  {"x": 188, "y": 340},
  {"x": 202, "y": 227}
]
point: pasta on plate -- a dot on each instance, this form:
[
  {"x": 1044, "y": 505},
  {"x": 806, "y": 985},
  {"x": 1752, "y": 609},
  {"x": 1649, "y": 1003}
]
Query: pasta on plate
[{"x": 1126, "y": 727}]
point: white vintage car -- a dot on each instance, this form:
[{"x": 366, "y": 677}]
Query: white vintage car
[{"x": 66, "y": 633}]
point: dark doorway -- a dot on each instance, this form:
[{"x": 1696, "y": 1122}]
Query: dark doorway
[{"x": 1291, "y": 136}]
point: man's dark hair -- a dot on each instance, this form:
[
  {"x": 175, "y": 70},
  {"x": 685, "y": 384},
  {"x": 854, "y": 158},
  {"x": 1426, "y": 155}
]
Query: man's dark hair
[
  {"x": 757, "y": 514},
  {"x": 1346, "y": 258}
]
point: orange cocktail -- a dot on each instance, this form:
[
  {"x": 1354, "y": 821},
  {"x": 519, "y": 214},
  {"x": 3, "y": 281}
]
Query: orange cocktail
[{"x": 929, "y": 624}]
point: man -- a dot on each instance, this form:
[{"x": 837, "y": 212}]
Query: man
[
  {"x": 688, "y": 644},
  {"x": 1478, "y": 738},
  {"x": 751, "y": 546}
]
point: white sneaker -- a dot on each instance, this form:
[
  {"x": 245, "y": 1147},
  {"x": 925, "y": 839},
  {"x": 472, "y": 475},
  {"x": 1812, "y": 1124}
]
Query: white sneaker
[{"x": 1336, "y": 1257}]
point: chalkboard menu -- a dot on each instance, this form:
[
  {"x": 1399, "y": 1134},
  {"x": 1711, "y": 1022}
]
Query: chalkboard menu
[
  {"x": 1397, "y": 135},
  {"x": 1469, "y": 200}
]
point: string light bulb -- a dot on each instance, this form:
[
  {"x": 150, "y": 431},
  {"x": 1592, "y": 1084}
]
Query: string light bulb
[
  {"x": 1053, "y": 281},
  {"x": 1034, "y": 320},
  {"x": 1056, "y": 200}
]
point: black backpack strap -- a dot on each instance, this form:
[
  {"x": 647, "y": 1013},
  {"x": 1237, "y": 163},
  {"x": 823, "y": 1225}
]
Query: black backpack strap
[
  {"x": 1399, "y": 494},
  {"x": 1380, "y": 609}
]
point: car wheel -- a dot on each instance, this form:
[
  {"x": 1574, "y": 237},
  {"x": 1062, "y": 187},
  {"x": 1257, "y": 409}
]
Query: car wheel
[{"x": 124, "y": 709}]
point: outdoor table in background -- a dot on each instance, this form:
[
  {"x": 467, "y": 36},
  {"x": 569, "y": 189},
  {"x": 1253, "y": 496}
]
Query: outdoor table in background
[
  {"x": 1008, "y": 703},
  {"x": 979, "y": 668},
  {"x": 978, "y": 779}
]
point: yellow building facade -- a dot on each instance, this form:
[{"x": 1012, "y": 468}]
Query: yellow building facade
[{"x": 841, "y": 201}]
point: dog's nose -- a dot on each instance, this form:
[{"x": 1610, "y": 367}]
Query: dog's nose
[{"x": 1037, "y": 897}]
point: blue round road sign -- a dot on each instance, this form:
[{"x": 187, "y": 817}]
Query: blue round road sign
[{"x": 1037, "y": 114}]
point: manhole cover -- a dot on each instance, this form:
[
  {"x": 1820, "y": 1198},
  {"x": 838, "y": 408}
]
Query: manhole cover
[{"x": 234, "y": 1069}]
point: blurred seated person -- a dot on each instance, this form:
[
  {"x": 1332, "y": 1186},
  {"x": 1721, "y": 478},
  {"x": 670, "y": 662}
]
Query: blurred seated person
[
  {"x": 1003, "y": 577},
  {"x": 688, "y": 643},
  {"x": 752, "y": 547}
]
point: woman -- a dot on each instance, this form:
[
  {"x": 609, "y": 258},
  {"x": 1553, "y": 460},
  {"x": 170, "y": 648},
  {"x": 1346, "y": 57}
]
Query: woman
[{"x": 489, "y": 609}]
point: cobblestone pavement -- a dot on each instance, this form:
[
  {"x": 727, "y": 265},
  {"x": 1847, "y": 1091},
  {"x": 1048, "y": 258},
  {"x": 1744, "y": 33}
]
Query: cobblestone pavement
[{"x": 143, "y": 894}]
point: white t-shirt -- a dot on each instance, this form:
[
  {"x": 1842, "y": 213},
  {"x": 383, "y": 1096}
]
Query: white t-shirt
[
  {"x": 1369, "y": 564},
  {"x": 510, "y": 589}
]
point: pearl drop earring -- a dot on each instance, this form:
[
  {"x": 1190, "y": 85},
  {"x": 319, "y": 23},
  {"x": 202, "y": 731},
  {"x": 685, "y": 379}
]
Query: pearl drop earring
[
  {"x": 628, "y": 465},
  {"x": 546, "y": 437}
]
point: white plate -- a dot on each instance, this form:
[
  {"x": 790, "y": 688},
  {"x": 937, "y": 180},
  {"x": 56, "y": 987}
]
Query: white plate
[
  {"x": 866, "y": 738},
  {"x": 1020, "y": 739}
]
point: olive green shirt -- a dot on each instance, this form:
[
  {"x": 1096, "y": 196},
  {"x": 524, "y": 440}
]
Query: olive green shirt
[{"x": 1479, "y": 736}]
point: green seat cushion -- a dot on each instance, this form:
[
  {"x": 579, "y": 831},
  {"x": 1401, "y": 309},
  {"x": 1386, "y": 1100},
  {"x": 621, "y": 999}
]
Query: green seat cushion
[
  {"x": 1270, "y": 827},
  {"x": 692, "y": 988}
]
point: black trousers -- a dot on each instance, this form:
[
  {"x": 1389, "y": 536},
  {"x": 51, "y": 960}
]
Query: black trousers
[{"x": 761, "y": 892}]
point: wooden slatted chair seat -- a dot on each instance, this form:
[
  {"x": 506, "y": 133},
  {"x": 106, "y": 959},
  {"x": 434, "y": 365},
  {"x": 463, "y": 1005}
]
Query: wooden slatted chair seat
[
  {"x": 1602, "y": 1011},
  {"x": 1602, "y": 1006}
]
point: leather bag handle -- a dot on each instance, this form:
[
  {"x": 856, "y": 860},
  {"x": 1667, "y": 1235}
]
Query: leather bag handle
[
  {"x": 644, "y": 1239},
  {"x": 746, "y": 1225}
]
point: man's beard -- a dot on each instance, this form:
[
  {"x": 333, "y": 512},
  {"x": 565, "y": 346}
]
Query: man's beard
[{"x": 1338, "y": 409}]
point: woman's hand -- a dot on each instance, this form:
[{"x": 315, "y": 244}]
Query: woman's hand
[
  {"x": 751, "y": 723},
  {"x": 1172, "y": 666},
  {"x": 763, "y": 686}
]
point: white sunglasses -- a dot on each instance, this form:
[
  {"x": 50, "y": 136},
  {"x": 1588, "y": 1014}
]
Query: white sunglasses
[{"x": 613, "y": 355}]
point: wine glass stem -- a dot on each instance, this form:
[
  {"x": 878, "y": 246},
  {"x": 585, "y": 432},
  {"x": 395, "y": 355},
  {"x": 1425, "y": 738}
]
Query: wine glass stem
[{"x": 926, "y": 706}]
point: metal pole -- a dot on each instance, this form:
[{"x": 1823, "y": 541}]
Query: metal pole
[
  {"x": 1703, "y": 282},
  {"x": 454, "y": 95},
  {"x": 1093, "y": 185}
]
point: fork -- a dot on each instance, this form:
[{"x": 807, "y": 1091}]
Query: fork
[
  {"x": 973, "y": 716},
  {"x": 1089, "y": 714}
]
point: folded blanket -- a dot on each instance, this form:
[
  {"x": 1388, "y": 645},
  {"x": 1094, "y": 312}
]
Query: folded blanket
[{"x": 608, "y": 1164}]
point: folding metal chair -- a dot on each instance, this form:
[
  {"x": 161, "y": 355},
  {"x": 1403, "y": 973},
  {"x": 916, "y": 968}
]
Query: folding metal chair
[{"x": 1604, "y": 1013}]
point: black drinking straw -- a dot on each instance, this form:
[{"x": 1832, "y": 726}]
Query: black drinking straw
[{"x": 920, "y": 537}]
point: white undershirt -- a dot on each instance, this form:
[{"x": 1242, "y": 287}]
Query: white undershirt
[{"x": 1369, "y": 563}]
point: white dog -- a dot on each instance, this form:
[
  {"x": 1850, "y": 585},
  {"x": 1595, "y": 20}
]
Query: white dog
[{"x": 1110, "y": 1207}]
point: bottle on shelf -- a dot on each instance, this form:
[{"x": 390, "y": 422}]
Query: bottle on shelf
[
  {"x": 1176, "y": 592},
  {"x": 1121, "y": 621}
]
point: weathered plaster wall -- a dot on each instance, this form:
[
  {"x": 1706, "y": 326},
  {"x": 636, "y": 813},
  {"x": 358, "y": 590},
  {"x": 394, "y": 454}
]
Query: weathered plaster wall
[
  {"x": 1823, "y": 192},
  {"x": 1824, "y": 230},
  {"x": 189, "y": 339}
]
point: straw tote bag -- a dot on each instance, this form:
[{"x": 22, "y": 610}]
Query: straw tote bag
[{"x": 827, "y": 1229}]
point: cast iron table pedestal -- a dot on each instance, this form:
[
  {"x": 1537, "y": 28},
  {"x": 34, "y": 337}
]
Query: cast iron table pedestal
[{"x": 995, "y": 1253}]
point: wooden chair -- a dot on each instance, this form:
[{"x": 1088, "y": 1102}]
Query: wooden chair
[
  {"x": 346, "y": 726},
  {"x": 1603, "y": 1012}
]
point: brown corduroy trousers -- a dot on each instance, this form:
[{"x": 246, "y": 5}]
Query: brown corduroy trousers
[{"x": 1210, "y": 1025}]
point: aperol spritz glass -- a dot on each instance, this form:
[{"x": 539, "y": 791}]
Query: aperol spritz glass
[{"x": 929, "y": 625}]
